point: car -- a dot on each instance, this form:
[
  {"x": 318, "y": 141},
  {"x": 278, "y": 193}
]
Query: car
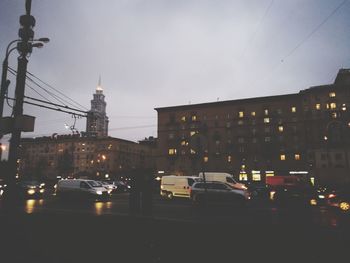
[
  {"x": 340, "y": 199},
  {"x": 215, "y": 192},
  {"x": 294, "y": 196},
  {"x": 30, "y": 189},
  {"x": 2, "y": 187},
  {"x": 76, "y": 189},
  {"x": 121, "y": 187},
  {"x": 109, "y": 185}
]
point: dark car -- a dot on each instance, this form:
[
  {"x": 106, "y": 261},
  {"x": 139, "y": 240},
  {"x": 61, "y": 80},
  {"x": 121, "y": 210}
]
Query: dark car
[
  {"x": 218, "y": 193},
  {"x": 121, "y": 187},
  {"x": 340, "y": 198},
  {"x": 30, "y": 189},
  {"x": 300, "y": 196}
]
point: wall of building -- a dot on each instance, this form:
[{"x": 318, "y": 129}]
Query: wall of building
[{"x": 283, "y": 134}]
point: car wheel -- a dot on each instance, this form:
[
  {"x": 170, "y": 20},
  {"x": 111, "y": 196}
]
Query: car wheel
[
  {"x": 344, "y": 206},
  {"x": 170, "y": 195}
]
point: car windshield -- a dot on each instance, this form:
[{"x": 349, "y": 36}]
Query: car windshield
[
  {"x": 29, "y": 183},
  {"x": 94, "y": 184},
  {"x": 230, "y": 180}
]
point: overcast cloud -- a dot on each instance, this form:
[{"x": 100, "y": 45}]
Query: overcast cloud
[{"x": 163, "y": 53}]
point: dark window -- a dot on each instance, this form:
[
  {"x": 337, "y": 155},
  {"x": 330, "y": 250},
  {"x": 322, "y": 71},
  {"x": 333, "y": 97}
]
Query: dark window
[
  {"x": 84, "y": 185},
  {"x": 190, "y": 181},
  {"x": 338, "y": 156}
]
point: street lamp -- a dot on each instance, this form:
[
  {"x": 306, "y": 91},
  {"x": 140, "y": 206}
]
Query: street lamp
[{"x": 38, "y": 43}]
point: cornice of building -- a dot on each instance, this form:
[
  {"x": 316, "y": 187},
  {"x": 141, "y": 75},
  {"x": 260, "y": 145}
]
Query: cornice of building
[{"x": 229, "y": 102}]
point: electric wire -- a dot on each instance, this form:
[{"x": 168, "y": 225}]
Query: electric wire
[
  {"x": 56, "y": 97},
  {"x": 50, "y": 86},
  {"x": 314, "y": 30}
]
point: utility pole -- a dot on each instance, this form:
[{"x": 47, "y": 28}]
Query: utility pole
[{"x": 24, "y": 47}]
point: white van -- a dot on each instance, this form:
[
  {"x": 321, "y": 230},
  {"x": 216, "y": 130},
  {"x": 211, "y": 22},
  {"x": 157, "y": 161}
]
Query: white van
[
  {"x": 222, "y": 177},
  {"x": 180, "y": 186},
  {"x": 81, "y": 188}
]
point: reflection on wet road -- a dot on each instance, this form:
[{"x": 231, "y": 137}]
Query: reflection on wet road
[{"x": 181, "y": 209}]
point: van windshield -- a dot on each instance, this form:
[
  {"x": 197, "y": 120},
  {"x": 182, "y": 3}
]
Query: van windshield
[
  {"x": 230, "y": 180},
  {"x": 94, "y": 184}
]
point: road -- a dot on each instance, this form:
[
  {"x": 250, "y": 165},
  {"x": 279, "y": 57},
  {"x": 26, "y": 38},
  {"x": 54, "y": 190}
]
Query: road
[
  {"x": 258, "y": 212},
  {"x": 49, "y": 230}
]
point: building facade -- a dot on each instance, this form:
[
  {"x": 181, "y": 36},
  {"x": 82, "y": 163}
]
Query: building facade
[
  {"x": 97, "y": 120},
  {"x": 306, "y": 133},
  {"x": 90, "y": 154},
  {"x": 77, "y": 156}
]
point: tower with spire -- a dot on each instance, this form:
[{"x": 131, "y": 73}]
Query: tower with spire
[{"x": 97, "y": 120}]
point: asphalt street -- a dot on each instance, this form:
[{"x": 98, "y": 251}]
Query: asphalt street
[{"x": 49, "y": 230}]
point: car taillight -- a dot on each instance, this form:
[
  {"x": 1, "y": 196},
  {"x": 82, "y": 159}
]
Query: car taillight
[{"x": 331, "y": 195}]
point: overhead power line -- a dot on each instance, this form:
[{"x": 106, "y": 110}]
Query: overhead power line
[
  {"x": 314, "y": 30},
  {"x": 50, "y": 108},
  {"x": 53, "y": 95},
  {"x": 50, "y": 86}
]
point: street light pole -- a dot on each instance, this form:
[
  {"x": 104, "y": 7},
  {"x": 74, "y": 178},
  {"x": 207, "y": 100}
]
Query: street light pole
[
  {"x": 24, "y": 47},
  {"x": 4, "y": 86}
]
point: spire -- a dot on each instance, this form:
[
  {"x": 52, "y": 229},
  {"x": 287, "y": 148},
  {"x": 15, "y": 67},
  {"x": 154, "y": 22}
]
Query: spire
[{"x": 99, "y": 86}]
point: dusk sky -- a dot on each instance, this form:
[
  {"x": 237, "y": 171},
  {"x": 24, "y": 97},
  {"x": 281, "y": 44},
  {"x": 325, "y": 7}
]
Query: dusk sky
[{"x": 174, "y": 52}]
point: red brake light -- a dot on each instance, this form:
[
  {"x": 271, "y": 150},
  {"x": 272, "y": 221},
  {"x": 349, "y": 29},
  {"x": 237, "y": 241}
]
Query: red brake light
[{"x": 331, "y": 195}]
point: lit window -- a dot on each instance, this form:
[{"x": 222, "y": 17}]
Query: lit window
[
  {"x": 266, "y": 120},
  {"x": 318, "y": 106},
  {"x": 172, "y": 151},
  {"x": 280, "y": 128},
  {"x": 332, "y": 94},
  {"x": 282, "y": 157},
  {"x": 192, "y": 133},
  {"x": 334, "y": 115},
  {"x": 297, "y": 156},
  {"x": 270, "y": 173},
  {"x": 266, "y": 111},
  {"x": 243, "y": 176},
  {"x": 205, "y": 159},
  {"x": 241, "y": 114},
  {"x": 333, "y": 105},
  {"x": 193, "y": 151},
  {"x": 183, "y": 143},
  {"x": 256, "y": 176},
  {"x": 183, "y": 118},
  {"x": 229, "y": 158},
  {"x": 252, "y": 113},
  {"x": 343, "y": 107},
  {"x": 194, "y": 117},
  {"x": 294, "y": 109}
]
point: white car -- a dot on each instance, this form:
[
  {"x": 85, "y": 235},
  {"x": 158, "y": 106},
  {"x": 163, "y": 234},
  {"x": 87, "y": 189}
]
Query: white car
[{"x": 108, "y": 185}]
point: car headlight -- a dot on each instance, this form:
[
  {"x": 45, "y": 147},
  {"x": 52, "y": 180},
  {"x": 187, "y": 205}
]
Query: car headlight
[
  {"x": 321, "y": 196},
  {"x": 99, "y": 192},
  {"x": 31, "y": 191},
  {"x": 42, "y": 191},
  {"x": 42, "y": 185},
  {"x": 109, "y": 191}
]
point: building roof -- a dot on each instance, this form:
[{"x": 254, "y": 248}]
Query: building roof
[{"x": 228, "y": 102}]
